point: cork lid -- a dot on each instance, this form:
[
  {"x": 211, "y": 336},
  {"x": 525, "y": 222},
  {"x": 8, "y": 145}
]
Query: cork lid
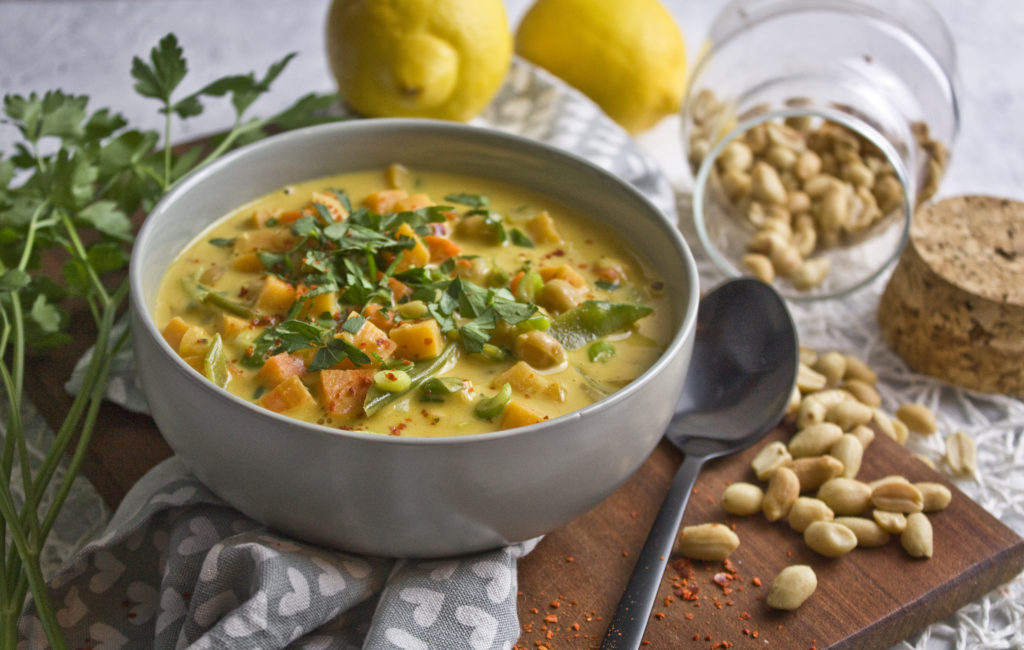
[{"x": 976, "y": 243}]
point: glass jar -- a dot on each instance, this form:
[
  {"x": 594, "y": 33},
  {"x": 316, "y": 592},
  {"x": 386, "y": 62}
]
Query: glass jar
[{"x": 858, "y": 93}]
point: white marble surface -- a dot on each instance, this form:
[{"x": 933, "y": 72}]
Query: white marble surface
[{"x": 86, "y": 46}]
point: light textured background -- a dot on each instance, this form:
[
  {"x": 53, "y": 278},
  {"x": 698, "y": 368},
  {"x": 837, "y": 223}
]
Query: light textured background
[{"x": 85, "y": 46}]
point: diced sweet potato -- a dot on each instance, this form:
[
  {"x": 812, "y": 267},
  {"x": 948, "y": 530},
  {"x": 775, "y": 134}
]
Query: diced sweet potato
[
  {"x": 523, "y": 378},
  {"x": 417, "y": 340},
  {"x": 441, "y": 248},
  {"x": 280, "y": 367},
  {"x": 265, "y": 239},
  {"x": 414, "y": 202},
  {"x": 543, "y": 229},
  {"x": 289, "y": 394},
  {"x": 262, "y": 216},
  {"x": 383, "y": 201},
  {"x": 330, "y": 201},
  {"x": 247, "y": 262},
  {"x": 195, "y": 341},
  {"x": 399, "y": 289},
  {"x": 173, "y": 331},
  {"x": 418, "y": 255},
  {"x": 371, "y": 340},
  {"x": 563, "y": 272},
  {"x": 342, "y": 392},
  {"x": 275, "y": 297},
  {"x": 232, "y": 326},
  {"x": 516, "y": 415},
  {"x": 380, "y": 317},
  {"x": 323, "y": 303}
]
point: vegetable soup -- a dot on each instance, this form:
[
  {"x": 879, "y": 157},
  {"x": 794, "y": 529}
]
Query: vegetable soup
[{"x": 413, "y": 304}]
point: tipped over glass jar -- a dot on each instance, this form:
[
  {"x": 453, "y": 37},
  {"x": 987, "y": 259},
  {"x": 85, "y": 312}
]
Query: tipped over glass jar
[{"x": 813, "y": 129}]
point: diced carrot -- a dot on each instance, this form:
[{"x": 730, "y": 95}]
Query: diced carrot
[
  {"x": 275, "y": 297},
  {"x": 418, "y": 255},
  {"x": 513, "y": 284},
  {"x": 516, "y": 415},
  {"x": 289, "y": 217},
  {"x": 417, "y": 340},
  {"x": 441, "y": 248},
  {"x": 399, "y": 289},
  {"x": 380, "y": 317},
  {"x": 330, "y": 201},
  {"x": 287, "y": 395},
  {"x": 342, "y": 392},
  {"x": 173, "y": 331},
  {"x": 383, "y": 201},
  {"x": 371, "y": 340},
  {"x": 279, "y": 368},
  {"x": 414, "y": 202}
]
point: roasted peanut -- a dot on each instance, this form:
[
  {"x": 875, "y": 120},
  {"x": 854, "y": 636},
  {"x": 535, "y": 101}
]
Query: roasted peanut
[
  {"x": 809, "y": 380},
  {"x": 863, "y": 391},
  {"x": 916, "y": 538},
  {"x": 713, "y": 542},
  {"x": 867, "y": 531},
  {"x": 807, "y": 510},
  {"x": 814, "y": 440},
  {"x": 783, "y": 491},
  {"x": 850, "y": 452},
  {"x": 813, "y": 471},
  {"x": 742, "y": 499},
  {"x": 829, "y": 538},
  {"x": 760, "y": 266},
  {"x": 846, "y": 496},
  {"x": 811, "y": 273},
  {"x": 791, "y": 587},
  {"x": 857, "y": 369},
  {"x": 897, "y": 496},
  {"x": 935, "y": 496},
  {"x": 849, "y": 414},
  {"x": 918, "y": 418},
  {"x": 736, "y": 155},
  {"x": 771, "y": 457},
  {"x": 832, "y": 365},
  {"x": 885, "y": 424},
  {"x": 891, "y": 522},
  {"x": 961, "y": 454},
  {"x": 866, "y": 435}
]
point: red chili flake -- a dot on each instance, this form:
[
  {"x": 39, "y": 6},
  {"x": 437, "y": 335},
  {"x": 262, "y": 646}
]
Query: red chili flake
[
  {"x": 659, "y": 615},
  {"x": 669, "y": 600},
  {"x": 625, "y": 554},
  {"x": 756, "y": 581},
  {"x": 722, "y": 578},
  {"x": 688, "y": 616},
  {"x": 550, "y": 618},
  {"x": 575, "y": 626},
  {"x": 634, "y": 514},
  {"x": 696, "y": 636},
  {"x": 533, "y": 610},
  {"x": 754, "y": 634},
  {"x": 555, "y": 604},
  {"x": 549, "y": 635},
  {"x": 570, "y": 559}
]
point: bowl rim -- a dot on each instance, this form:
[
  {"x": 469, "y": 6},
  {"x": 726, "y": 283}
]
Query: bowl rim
[{"x": 413, "y": 125}]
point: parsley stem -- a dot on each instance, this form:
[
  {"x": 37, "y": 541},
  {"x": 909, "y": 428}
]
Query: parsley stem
[
  {"x": 237, "y": 131},
  {"x": 83, "y": 257},
  {"x": 165, "y": 182}
]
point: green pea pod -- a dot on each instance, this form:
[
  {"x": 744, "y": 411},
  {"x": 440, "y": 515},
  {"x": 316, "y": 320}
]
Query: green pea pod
[
  {"x": 491, "y": 407},
  {"x": 376, "y": 398},
  {"x": 215, "y": 363},
  {"x": 206, "y": 296},
  {"x": 594, "y": 319}
]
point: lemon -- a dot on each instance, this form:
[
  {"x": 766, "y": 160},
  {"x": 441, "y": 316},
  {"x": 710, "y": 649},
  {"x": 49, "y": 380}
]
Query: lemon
[
  {"x": 440, "y": 59},
  {"x": 627, "y": 55}
]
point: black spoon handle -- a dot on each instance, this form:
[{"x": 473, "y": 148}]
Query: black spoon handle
[{"x": 630, "y": 619}]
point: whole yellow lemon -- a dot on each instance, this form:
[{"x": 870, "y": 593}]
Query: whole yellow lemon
[
  {"x": 440, "y": 59},
  {"x": 627, "y": 55}
]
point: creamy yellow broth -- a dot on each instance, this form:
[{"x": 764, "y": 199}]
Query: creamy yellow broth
[{"x": 190, "y": 322}]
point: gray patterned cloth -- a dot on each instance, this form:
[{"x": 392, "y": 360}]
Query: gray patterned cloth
[{"x": 179, "y": 568}]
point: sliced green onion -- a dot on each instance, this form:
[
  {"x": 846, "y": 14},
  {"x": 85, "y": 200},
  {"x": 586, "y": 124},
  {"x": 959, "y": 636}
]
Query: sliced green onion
[
  {"x": 376, "y": 399},
  {"x": 600, "y": 351},
  {"x": 215, "y": 363},
  {"x": 538, "y": 322},
  {"x": 392, "y": 381},
  {"x": 493, "y": 352},
  {"x": 529, "y": 285},
  {"x": 491, "y": 407},
  {"x": 436, "y": 389}
]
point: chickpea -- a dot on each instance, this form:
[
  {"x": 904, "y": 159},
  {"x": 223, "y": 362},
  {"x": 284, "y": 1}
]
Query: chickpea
[
  {"x": 539, "y": 349},
  {"x": 559, "y": 295},
  {"x": 476, "y": 226},
  {"x": 475, "y": 269}
]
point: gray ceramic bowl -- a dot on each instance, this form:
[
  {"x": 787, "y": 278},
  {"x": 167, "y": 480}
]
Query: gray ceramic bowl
[{"x": 391, "y": 496}]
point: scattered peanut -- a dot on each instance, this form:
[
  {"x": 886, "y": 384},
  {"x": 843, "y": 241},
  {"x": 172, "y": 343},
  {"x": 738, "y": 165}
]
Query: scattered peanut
[
  {"x": 918, "y": 418},
  {"x": 742, "y": 499},
  {"x": 868, "y": 532},
  {"x": 961, "y": 454},
  {"x": 850, "y": 452},
  {"x": 712, "y": 542},
  {"x": 934, "y": 496},
  {"x": 807, "y": 510},
  {"x": 891, "y": 522},
  {"x": 771, "y": 457},
  {"x": 813, "y": 471},
  {"x": 846, "y": 496},
  {"x": 916, "y": 538},
  {"x": 897, "y": 496},
  {"x": 829, "y": 538},
  {"x": 782, "y": 493},
  {"x": 791, "y": 587},
  {"x": 814, "y": 440},
  {"x": 849, "y": 414}
]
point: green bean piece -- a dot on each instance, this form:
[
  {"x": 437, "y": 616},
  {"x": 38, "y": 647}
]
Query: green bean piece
[
  {"x": 207, "y": 296},
  {"x": 491, "y": 407},
  {"x": 538, "y": 322},
  {"x": 436, "y": 389},
  {"x": 594, "y": 319},
  {"x": 392, "y": 381},
  {"x": 528, "y": 286},
  {"x": 376, "y": 399},
  {"x": 600, "y": 352},
  {"x": 215, "y": 363},
  {"x": 492, "y": 352}
]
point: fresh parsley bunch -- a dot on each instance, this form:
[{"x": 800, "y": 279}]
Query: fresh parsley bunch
[{"x": 72, "y": 183}]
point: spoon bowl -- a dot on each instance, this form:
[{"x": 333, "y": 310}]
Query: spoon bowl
[{"x": 741, "y": 376}]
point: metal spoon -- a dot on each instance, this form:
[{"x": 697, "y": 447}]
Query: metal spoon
[{"x": 741, "y": 375}]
